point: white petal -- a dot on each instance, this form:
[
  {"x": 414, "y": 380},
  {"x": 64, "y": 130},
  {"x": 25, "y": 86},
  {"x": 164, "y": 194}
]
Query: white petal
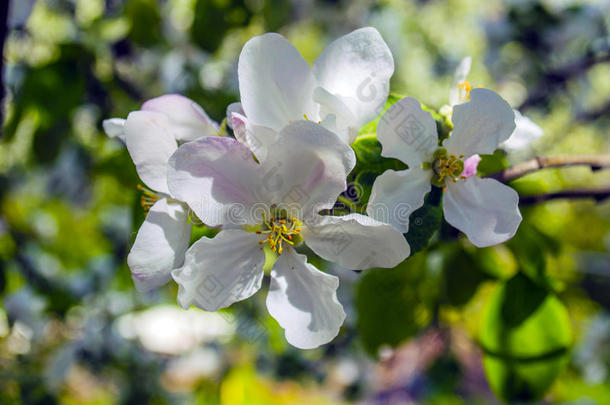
[
  {"x": 160, "y": 245},
  {"x": 304, "y": 301},
  {"x": 526, "y": 131},
  {"x": 408, "y": 133},
  {"x": 307, "y": 168},
  {"x": 257, "y": 138},
  {"x": 357, "y": 67},
  {"x": 219, "y": 180},
  {"x": 356, "y": 242},
  {"x": 486, "y": 210},
  {"x": 150, "y": 144},
  {"x": 396, "y": 195},
  {"x": 114, "y": 128},
  {"x": 481, "y": 124},
  {"x": 275, "y": 82},
  {"x": 337, "y": 115},
  {"x": 220, "y": 271},
  {"x": 457, "y": 95},
  {"x": 234, "y": 108},
  {"x": 188, "y": 120}
]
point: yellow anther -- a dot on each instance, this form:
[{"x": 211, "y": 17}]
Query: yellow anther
[
  {"x": 467, "y": 87},
  {"x": 279, "y": 231},
  {"x": 148, "y": 197},
  {"x": 446, "y": 167}
]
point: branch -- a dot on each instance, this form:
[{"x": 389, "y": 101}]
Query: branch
[
  {"x": 596, "y": 162},
  {"x": 598, "y": 194}
]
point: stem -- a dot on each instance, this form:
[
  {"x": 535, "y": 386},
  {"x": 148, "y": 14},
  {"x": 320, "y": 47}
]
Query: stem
[
  {"x": 596, "y": 162},
  {"x": 598, "y": 194}
]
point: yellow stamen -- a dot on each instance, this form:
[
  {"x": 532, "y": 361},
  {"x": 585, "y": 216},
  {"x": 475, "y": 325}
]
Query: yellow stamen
[
  {"x": 148, "y": 197},
  {"x": 279, "y": 231},
  {"x": 467, "y": 87}
]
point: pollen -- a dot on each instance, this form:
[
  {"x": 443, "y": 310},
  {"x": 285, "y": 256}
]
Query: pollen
[
  {"x": 446, "y": 167},
  {"x": 279, "y": 231},
  {"x": 148, "y": 197},
  {"x": 467, "y": 87}
]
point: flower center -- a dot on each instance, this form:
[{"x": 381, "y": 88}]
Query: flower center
[
  {"x": 280, "y": 230},
  {"x": 445, "y": 166},
  {"x": 148, "y": 197}
]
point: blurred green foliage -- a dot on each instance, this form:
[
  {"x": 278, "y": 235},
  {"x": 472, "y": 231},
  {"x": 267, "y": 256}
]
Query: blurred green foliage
[{"x": 531, "y": 314}]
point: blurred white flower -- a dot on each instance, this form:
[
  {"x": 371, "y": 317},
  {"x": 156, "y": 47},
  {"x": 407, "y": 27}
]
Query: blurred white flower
[
  {"x": 485, "y": 210},
  {"x": 276, "y": 203},
  {"x": 152, "y": 134},
  {"x": 170, "y": 330},
  {"x": 526, "y": 131}
]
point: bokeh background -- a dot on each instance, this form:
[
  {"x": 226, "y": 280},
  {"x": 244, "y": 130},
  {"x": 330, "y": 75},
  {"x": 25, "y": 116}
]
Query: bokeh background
[{"x": 73, "y": 330}]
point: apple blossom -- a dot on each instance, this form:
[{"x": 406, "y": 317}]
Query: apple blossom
[
  {"x": 346, "y": 88},
  {"x": 275, "y": 204},
  {"x": 484, "y": 209},
  {"x": 152, "y": 134}
]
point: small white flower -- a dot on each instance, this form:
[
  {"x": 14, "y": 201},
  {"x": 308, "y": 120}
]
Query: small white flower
[
  {"x": 276, "y": 203},
  {"x": 526, "y": 131},
  {"x": 152, "y": 135},
  {"x": 346, "y": 88},
  {"x": 484, "y": 209}
]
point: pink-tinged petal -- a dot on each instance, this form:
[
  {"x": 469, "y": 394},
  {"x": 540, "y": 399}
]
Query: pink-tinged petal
[
  {"x": 219, "y": 180},
  {"x": 304, "y": 301},
  {"x": 255, "y": 137},
  {"x": 188, "y": 120},
  {"x": 275, "y": 82},
  {"x": 480, "y": 125},
  {"x": 234, "y": 108},
  {"x": 356, "y": 242},
  {"x": 160, "y": 245},
  {"x": 486, "y": 210},
  {"x": 470, "y": 166},
  {"x": 220, "y": 271},
  {"x": 306, "y": 168},
  {"x": 407, "y": 132},
  {"x": 150, "y": 144}
]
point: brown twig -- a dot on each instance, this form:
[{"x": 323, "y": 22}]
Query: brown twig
[
  {"x": 595, "y": 162},
  {"x": 598, "y": 194}
]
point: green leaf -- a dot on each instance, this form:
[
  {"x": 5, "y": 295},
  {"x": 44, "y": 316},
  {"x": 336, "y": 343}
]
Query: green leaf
[
  {"x": 370, "y": 164},
  {"x": 371, "y": 127},
  {"x": 526, "y": 336},
  {"x": 462, "y": 276},
  {"x": 530, "y": 247},
  {"x": 494, "y": 163},
  {"x": 395, "y": 304},
  {"x": 425, "y": 221}
]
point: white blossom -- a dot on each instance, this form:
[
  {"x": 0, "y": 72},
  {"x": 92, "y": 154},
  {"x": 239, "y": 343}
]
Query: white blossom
[
  {"x": 484, "y": 209},
  {"x": 152, "y": 135},
  {"x": 346, "y": 88},
  {"x": 275, "y": 204}
]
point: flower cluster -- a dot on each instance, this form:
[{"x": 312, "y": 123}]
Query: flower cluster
[{"x": 269, "y": 188}]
